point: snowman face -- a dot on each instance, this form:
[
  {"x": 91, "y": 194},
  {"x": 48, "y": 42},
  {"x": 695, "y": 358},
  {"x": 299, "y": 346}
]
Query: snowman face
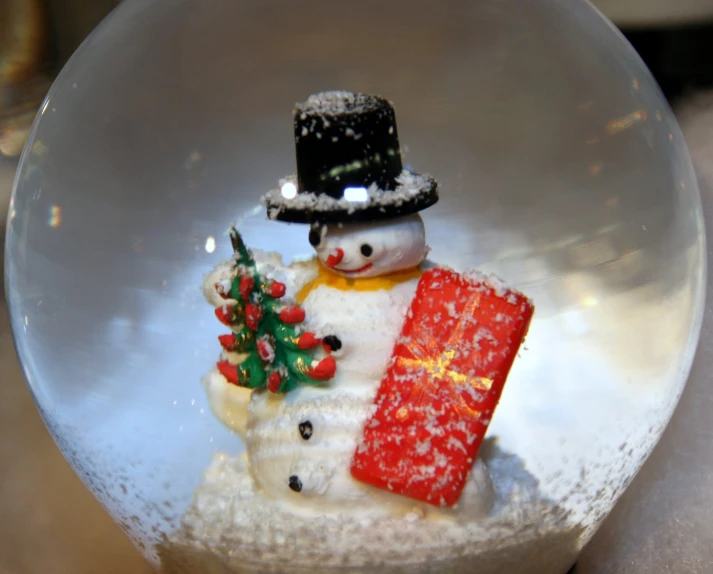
[{"x": 371, "y": 249}]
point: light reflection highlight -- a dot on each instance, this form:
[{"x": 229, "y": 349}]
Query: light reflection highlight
[
  {"x": 624, "y": 123},
  {"x": 193, "y": 159},
  {"x": 356, "y": 194},
  {"x": 595, "y": 169},
  {"x": 210, "y": 244},
  {"x": 55, "y": 217},
  {"x": 288, "y": 190}
]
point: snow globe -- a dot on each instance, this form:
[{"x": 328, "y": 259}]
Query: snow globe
[{"x": 450, "y": 339}]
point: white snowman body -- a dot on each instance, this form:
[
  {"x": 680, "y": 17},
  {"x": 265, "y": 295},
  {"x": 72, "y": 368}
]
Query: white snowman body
[
  {"x": 367, "y": 324},
  {"x": 299, "y": 444}
]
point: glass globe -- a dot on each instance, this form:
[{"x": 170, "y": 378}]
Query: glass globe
[{"x": 561, "y": 170}]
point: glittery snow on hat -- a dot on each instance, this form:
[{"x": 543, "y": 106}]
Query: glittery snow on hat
[{"x": 349, "y": 165}]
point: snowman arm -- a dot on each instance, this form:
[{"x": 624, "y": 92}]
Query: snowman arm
[
  {"x": 228, "y": 402},
  {"x": 222, "y": 273}
]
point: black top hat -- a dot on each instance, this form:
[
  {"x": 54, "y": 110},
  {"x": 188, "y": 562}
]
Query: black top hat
[{"x": 348, "y": 164}]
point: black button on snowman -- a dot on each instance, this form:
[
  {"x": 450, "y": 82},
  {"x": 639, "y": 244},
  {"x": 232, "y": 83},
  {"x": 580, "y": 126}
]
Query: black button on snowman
[
  {"x": 295, "y": 483},
  {"x": 305, "y": 429}
]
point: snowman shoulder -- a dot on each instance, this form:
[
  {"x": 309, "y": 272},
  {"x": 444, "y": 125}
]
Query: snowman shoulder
[
  {"x": 295, "y": 275},
  {"x": 303, "y": 271},
  {"x": 427, "y": 264},
  {"x": 270, "y": 266},
  {"x": 270, "y": 259}
]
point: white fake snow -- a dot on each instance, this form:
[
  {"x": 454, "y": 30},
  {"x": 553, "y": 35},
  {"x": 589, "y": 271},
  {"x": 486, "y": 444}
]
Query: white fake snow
[{"x": 409, "y": 186}]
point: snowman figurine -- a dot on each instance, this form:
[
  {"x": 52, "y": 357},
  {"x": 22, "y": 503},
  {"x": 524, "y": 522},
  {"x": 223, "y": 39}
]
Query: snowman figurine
[{"x": 361, "y": 210}]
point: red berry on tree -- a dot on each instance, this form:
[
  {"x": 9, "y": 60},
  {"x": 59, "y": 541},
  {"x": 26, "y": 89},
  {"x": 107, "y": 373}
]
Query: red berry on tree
[
  {"x": 252, "y": 316},
  {"x": 227, "y": 342},
  {"x": 308, "y": 340},
  {"x": 265, "y": 350},
  {"x": 226, "y": 315},
  {"x": 273, "y": 382},
  {"x": 247, "y": 284},
  {"x": 229, "y": 371},
  {"x": 292, "y": 314},
  {"x": 276, "y": 289},
  {"x": 324, "y": 370}
]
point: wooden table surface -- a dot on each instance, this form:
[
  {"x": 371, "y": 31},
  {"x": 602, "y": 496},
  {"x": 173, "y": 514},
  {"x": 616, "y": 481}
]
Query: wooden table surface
[{"x": 49, "y": 523}]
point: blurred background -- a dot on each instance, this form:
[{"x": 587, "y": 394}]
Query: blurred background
[{"x": 48, "y": 521}]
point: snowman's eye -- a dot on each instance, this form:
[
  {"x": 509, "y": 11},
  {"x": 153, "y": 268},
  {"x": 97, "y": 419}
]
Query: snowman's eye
[
  {"x": 366, "y": 250},
  {"x": 315, "y": 237}
]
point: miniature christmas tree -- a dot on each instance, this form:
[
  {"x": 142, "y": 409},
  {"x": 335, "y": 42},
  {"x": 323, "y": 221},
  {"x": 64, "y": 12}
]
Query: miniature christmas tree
[{"x": 274, "y": 351}]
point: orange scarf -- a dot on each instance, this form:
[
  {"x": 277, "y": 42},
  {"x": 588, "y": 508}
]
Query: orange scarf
[{"x": 335, "y": 281}]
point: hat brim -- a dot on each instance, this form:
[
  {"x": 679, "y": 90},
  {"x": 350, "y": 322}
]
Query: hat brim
[{"x": 415, "y": 193}]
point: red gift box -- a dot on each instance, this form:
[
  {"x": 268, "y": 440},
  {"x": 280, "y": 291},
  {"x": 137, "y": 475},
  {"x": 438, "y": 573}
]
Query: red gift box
[{"x": 444, "y": 380}]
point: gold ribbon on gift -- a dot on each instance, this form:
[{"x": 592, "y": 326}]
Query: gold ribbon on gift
[{"x": 431, "y": 367}]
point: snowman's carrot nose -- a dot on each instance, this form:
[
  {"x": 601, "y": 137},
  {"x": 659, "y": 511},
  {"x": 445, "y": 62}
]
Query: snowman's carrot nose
[{"x": 335, "y": 257}]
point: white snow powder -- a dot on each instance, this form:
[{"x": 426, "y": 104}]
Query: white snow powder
[
  {"x": 230, "y": 525},
  {"x": 409, "y": 186},
  {"x": 493, "y": 281},
  {"x": 330, "y": 102}
]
